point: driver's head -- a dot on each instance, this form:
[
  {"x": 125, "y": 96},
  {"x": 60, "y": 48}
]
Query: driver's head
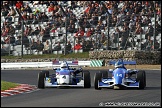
[
  {"x": 63, "y": 65},
  {"x": 119, "y": 63}
]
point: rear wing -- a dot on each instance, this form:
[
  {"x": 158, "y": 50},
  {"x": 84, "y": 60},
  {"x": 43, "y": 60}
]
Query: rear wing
[
  {"x": 125, "y": 62},
  {"x": 56, "y": 63}
]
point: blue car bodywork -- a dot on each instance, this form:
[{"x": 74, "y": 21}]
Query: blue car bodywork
[{"x": 120, "y": 78}]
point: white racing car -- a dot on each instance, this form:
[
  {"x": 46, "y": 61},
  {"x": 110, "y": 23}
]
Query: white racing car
[{"x": 65, "y": 76}]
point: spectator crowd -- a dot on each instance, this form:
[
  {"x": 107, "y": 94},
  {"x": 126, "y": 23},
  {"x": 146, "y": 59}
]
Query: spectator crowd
[{"x": 106, "y": 25}]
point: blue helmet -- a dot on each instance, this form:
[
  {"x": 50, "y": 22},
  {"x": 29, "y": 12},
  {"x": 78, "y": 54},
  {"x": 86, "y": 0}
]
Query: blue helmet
[{"x": 119, "y": 63}]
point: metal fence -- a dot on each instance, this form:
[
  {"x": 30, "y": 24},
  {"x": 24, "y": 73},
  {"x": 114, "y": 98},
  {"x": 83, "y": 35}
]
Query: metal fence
[{"x": 83, "y": 32}]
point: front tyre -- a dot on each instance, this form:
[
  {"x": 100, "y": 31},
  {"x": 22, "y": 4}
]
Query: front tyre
[
  {"x": 97, "y": 79},
  {"x": 87, "y": 79},
  {"x": 145, "y": 78},
  {"x": 141, "y": 79},
  {"x": 41, "y": 80}
]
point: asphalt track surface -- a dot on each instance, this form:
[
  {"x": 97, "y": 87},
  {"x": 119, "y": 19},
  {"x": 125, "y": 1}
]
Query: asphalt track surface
[{"x": 79, "y": 97}]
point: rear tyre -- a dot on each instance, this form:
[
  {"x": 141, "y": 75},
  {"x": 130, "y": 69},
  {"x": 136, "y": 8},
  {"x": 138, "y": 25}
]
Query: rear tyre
[
  {"x": 41, "y": 79},
  {"x": 46, "y": 73},
  {"x": 97, "y": 79},
  {"x": 87, "y": 79},
  {"x": 141, "y": 79},
  {"x": 104, "y": 74}
]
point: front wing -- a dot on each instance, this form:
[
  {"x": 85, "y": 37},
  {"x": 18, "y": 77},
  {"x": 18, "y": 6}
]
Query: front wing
[
  {"x": 110, "y": 82},
  {"x": 48, "y": 84}
]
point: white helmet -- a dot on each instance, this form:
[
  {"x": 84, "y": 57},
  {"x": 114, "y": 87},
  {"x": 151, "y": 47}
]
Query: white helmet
[{"x": 63, "y": 65}]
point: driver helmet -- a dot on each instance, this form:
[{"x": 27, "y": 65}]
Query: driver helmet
[
  {"x": 119, "y": 64},
  {"x": 63, "y": 65}
]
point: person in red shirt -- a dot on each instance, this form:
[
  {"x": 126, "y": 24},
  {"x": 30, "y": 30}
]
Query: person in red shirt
[
  {"x": 77, "y": 46},
  {"x": 19, "y": 4},
  {"x": 89, "y": 32},
  {"x": 51, "y": 7},
  {"x": 80, "y": 32}
]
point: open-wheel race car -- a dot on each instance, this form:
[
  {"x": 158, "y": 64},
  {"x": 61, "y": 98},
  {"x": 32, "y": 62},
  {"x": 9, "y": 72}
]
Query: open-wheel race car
[
  {"x": 120, "y": 77},
  {"x": 64, "y": 75}
]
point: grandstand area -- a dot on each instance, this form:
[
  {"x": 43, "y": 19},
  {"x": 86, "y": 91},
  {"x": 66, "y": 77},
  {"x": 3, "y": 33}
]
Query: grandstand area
[{"x": 63, "y": 27}]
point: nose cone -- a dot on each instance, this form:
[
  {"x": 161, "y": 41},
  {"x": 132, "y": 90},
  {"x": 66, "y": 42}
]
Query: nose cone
[
  {"x": 118, "y": 77},
  {"x": 64, "y": 79},
  {"x": 118, "y": 80}
]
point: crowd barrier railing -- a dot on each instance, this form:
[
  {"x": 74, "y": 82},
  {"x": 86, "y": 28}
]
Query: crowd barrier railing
[{"x": 36, "y": 65}]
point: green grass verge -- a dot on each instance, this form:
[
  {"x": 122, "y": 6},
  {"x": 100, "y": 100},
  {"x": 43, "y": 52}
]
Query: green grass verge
[
  {"x": 72, "y": 55},
  {"x": 7, "y": 85}
]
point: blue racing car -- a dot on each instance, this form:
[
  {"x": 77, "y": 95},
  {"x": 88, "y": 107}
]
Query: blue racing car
[
  {"x": 64, "y": 76},
  {"x": 120, "y": 77}
]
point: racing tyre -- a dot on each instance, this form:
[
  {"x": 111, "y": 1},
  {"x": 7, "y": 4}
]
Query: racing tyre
[
  {"x": 141, "y": 79},
  {"x": 144, "y": 78},
  {"x": 104, "y": 74},
  {"x": 97, "y": 78},
  {"x": 41, "y": 79},
  {"x": 46, "y": 73},
  {"x": 87, "y": 79}
]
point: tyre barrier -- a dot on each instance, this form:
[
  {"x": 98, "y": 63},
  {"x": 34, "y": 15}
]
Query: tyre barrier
[{"x": 142, "y": 57}]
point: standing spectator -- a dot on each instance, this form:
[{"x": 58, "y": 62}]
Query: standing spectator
[
  {"x": 44, "y": 17},
  {"x": 72, "y": 29},
  {"x": 68, "y": 47},
  {"x": 27, "y": 8},
  {"x": 5, "y": 12},
  {"x": 24, "y": 15},
  {"x": 5, "y": 50},
  {"x": 125, "y": 35},
  {"x": 26, "y": 32},
  {"x": 80, "y": 32},
  {"x": 77, "y": 46},
  {"x": 12, "y": 40},
  {"x": 12, "y": 12},
  {"x": 3, "y": 33},
  {"x": 18, "y": 25},
  {"x": 57, "y": 47},
  {"x": 149, "y": 31},
  {"x": 35, "y": 20},
  {"x": 40, "y": 46},
  {"x": 25, "y": 41},
  {"x": 18, "y": 41},
  {"x": 114, "y": 21},
  {"x": 46, "y": 35},
  {"x": 87, "y": 46},
  {"x": 19, "y": 5},
  {"x": 85, "y": 24},
  {"x": 139, "y": 29},
  {"x": 148, "y": 45},
  {"x": 132, "y": 25},
  {"x": 36, "y": 31},
  {"x": 33, "y": 45},
  {"x": 157, "y": 28},
  {"x": 46, "y": 48},
  {"x": 89, "y": 32},
  {"x": 51, "y": 7}
]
